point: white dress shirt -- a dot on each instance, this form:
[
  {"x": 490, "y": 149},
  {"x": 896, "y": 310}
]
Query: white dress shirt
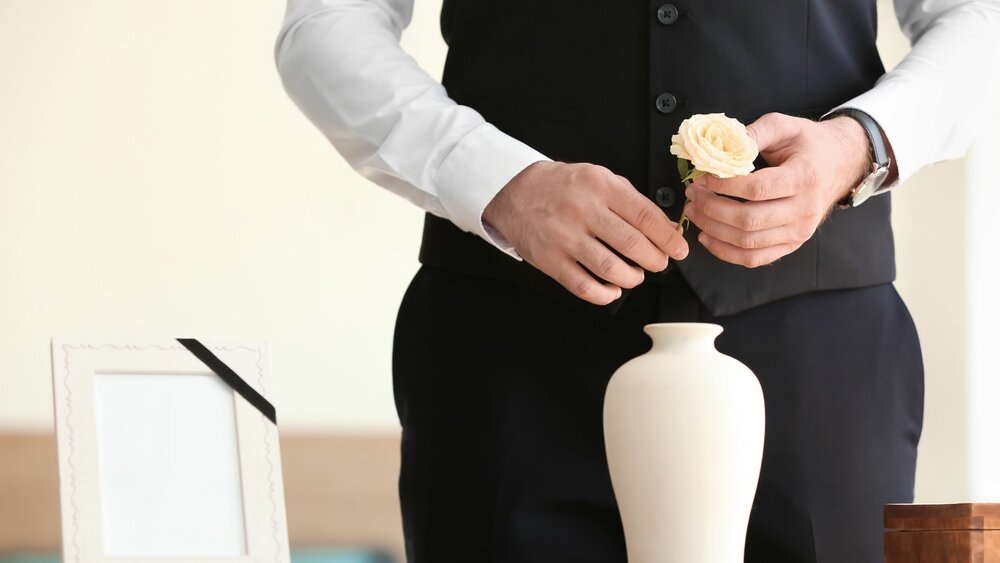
[{"x": 341, "y": 62}]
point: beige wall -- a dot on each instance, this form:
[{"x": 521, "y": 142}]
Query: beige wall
[
  {"x": 156, "y": 180},
  {"x": 937, "y": 300}
]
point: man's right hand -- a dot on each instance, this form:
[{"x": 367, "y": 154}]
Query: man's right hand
[{"x": 558, "y": 216}]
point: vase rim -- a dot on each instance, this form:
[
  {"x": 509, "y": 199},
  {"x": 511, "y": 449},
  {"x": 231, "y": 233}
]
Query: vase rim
[
  {"x": 690, "y": 329},
  {"x": 684, "y": 324}
]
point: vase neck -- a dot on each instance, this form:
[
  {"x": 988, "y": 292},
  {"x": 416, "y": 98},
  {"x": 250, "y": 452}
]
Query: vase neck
[{"x": 673, "y": 336}]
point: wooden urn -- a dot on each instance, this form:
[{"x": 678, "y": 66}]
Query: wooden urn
[{"x": 942, "y": 533}]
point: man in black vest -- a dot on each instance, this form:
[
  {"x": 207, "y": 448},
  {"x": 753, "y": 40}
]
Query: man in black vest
[{"x": 543, "y": 164}]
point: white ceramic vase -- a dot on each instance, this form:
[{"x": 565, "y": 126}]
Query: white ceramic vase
[{"x": 684, "y": 432}]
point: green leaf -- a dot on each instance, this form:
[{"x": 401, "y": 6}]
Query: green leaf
[
  {"x": 695, "y": 174},
  {"x": 684, "y": 167}
]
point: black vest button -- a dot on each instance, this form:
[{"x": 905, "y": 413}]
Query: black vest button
[
  {"x": 665, "y": 197},
  {"x": 667, "y": 14},
  {"x": 666, "y": 102}
]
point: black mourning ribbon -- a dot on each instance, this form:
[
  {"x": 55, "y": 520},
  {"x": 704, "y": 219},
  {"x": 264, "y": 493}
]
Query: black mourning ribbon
[{"x": 230, "y": 377}]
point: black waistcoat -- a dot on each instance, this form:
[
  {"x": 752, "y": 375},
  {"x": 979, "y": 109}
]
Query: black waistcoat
[{"x": 608, "y": 82}]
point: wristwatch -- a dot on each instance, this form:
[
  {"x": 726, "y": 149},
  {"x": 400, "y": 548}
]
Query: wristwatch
[{"x": 872, "y": 183}]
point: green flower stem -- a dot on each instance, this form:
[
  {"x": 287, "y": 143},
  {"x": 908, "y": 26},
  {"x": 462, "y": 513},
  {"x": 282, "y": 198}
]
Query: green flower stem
[{"x": 687, "y": 174}]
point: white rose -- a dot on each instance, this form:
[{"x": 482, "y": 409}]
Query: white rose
[{"x": 715, "y": 144}]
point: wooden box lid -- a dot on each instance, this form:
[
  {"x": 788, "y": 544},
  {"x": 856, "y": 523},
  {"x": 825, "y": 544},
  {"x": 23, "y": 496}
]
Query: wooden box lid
[{"x": 925, "y": 517}]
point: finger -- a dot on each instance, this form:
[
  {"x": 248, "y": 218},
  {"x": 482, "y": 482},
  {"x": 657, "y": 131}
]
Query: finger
[
  {"x": 751, "y": 258},
  {"x": 650, "y": 220},
  {"x": 785, "y": 234},
  {"x": 774, "y": 182},
  {"x": 773, "y": 131},
  {"x": 609, "y": 266},
  {"x": 627, "y": 240},
  {"x": 583, "y": 285},
  {"x": 745, "y": 216}
]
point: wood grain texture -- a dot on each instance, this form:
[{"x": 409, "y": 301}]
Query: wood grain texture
[
  {"x": 953, "y": 533},
  {"x": 343, "y": 490},
  {"x": 934, "y": 547},
  {"x": 29, "y": 493},
  {"x": 964, "y": 516},
  {"x": 340, "y": 490}
]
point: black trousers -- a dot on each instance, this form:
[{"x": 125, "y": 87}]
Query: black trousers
[{"x": 499, "y": 391}]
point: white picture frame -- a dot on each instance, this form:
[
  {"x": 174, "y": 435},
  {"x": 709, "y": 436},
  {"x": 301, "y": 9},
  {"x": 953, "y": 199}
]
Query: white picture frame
[{"x": 160, "y": 460}]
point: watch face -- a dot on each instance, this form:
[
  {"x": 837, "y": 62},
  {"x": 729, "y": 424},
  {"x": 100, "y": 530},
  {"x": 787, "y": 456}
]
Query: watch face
[{"x": 870, "y": 185}]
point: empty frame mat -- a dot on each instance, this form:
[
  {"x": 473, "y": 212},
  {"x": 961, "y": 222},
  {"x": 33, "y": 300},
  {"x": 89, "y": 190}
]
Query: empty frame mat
[{"x": 161, "y": 460}]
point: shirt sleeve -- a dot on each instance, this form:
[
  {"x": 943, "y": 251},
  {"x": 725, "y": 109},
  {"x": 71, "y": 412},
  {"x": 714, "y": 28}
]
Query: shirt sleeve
[
  {"x": 935, "y": 102},
  {"x": 341, "y": 63}
]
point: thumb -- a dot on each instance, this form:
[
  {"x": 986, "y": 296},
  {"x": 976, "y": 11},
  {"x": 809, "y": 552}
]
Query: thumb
[{"x": 771, "y": 132}]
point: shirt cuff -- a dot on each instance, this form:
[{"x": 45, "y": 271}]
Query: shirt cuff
[{"x": 475, "y": 170}]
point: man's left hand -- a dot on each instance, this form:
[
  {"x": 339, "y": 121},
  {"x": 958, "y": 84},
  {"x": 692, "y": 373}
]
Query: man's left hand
[{"x": 813, "y": 165}]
